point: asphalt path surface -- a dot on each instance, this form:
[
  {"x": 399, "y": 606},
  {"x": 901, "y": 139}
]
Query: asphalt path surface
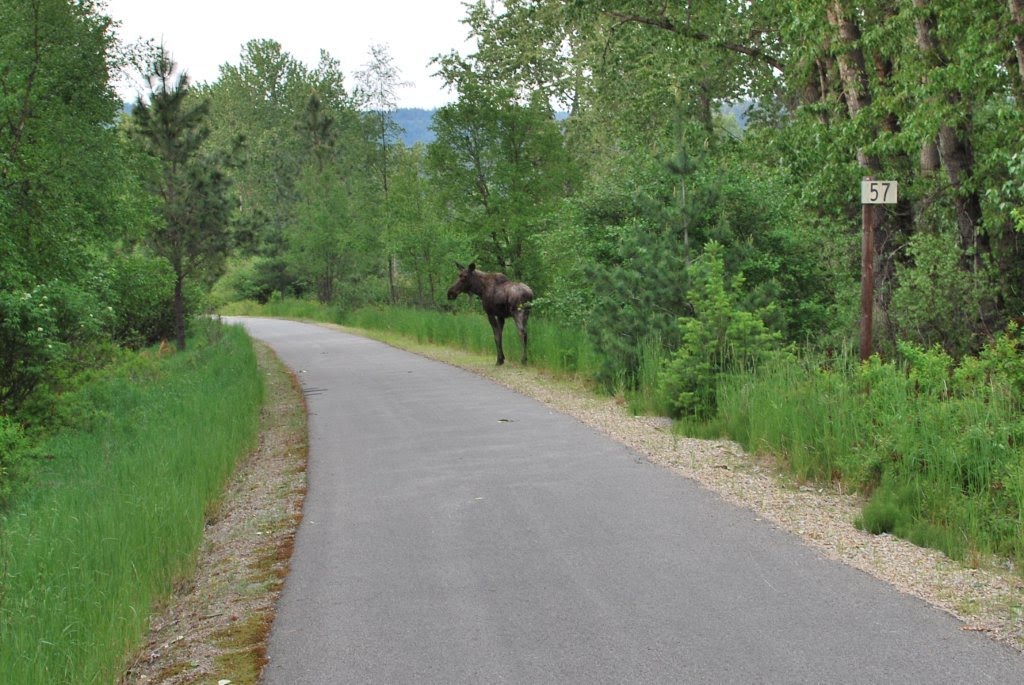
[{"x": 457, "y": 532}]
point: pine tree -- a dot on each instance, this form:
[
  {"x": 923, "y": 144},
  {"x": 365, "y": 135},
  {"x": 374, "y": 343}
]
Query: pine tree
[{"x": 191, "y": 186}]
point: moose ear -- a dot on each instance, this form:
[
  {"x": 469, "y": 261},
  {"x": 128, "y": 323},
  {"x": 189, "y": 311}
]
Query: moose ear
[{"x": 472, "y": 266}]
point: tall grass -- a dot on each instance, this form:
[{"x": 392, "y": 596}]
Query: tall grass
[
  {"x": 644, "y": 395},
  {"x": 119, "y": 511},
  {"x": 806, "y": 414},
  {"x": 552, "y": 346},
  {"x": 939, "y": 451}
]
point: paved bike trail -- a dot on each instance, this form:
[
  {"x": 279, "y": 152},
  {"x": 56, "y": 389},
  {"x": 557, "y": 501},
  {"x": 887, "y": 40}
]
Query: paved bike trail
[{"x": 457, "y": 532}]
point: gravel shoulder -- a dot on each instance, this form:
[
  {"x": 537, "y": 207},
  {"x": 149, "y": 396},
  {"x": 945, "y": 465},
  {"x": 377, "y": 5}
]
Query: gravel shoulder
[{"x": 214, "y": 628}]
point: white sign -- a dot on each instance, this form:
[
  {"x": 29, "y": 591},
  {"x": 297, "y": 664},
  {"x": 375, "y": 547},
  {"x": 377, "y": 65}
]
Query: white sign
[{"x": 878, "y": 192}]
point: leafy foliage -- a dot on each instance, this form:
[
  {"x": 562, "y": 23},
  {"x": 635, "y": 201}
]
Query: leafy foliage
[
  {"x": 14, "y": 452},
  {"x": 500, "y": 166},
  {"x": 141, "y": 295},
  {"x": 31, "y": 345},
  {"x": 935, "y": 443},
  {"x": 60, "y": 163},
  {"x": 718, "y": 338},
  {"x": 937, "y": 303},
  {"x": 951, "y": 472},
  {"x": 638, "y": 296}
]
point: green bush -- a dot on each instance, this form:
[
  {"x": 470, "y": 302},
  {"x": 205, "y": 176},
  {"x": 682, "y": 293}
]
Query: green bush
[
  {"x": 637, "y": 297},
  {"x": 951, "y": 438},
  {"x": 30, "y": 344},
  {"x": 936, "y": 301},
  {"x": 255, "y": 279},
  {"x": 13, "y": 447},
  {"x": 937, "y": 446},
  {"x": 142, "y": 298},
  {"x": 718, "y": 338},
  {"x": 1001, "y": 359},
  {"x": 47, "y": 335}
]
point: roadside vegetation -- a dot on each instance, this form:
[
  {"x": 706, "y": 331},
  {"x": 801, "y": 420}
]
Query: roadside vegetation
[
  {"x": 677, "y": 183},
  {"x": 112, "y": 513}
]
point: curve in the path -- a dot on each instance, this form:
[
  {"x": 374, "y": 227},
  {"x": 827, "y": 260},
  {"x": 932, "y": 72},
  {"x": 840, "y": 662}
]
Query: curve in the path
[{"x": 457, "y": 532}]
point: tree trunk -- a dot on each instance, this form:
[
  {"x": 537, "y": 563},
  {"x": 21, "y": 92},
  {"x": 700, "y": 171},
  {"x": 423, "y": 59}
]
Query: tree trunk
[
  {"x": 1017, "y": 17},
  {"x": 852, "y": 73},
  {"x": 958, "y": 158},
  {"x": 179, "y": 311},
  {"x": 924, "y": 24},
  {"x": 392, "y": 272},
  {"x": 930, "y": 160},
  {"x": 953, "y": 150}
]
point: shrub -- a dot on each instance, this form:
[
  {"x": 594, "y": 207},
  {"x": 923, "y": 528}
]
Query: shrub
[
  {"x": 255, "y": 279},
  {"x": 13, "y": 447},
  {"x": 951, "y": 441},
  {"x": 936, "y": 301},
  {"x": 142, "y": 297},
  {"x": 637, "y": 297},
  {"x": 1003, "y": 358},
  {"x": 30, "y": 344},
  {"x": 938, "y": 447},
  {"x": 718, "y": 338}
]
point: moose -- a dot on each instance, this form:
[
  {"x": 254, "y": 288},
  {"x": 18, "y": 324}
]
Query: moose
[{"x": 501, "y": 298}]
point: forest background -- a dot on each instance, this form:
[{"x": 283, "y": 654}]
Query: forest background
[{"x": 710, "y": 270}]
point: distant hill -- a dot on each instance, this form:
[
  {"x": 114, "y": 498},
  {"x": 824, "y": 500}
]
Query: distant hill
[
  {"x": 416, "y": 123},
  {"x": 740, "y": 110}
]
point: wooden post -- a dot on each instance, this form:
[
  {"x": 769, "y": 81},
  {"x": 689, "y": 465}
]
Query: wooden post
[{"x": 867, "y": 278}]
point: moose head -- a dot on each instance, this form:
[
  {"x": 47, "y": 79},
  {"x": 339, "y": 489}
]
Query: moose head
[{"x": 464, "y": 283}]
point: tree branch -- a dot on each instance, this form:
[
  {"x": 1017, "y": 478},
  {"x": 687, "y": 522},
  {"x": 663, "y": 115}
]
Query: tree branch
[
  {"x": 667, "y": 24},
  {"x": 18, "y": 127}
]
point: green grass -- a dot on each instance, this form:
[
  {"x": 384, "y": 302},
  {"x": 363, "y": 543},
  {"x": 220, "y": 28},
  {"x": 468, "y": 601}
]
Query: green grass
[
  {"x": 807, "y": 417},
  {"x": 644, "y": 396},
  {"x": 551, "y": 346},
  {"x": 940, "y": 456},
  {"x": 117, "y": 514}
]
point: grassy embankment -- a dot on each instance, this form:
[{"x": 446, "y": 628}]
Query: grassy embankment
[
  {"x": 116, "y": 514},
  {"x": 937, "y": 447}
]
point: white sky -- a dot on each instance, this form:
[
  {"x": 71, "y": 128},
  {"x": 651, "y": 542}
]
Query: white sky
[{"x": 201, "y": 35}]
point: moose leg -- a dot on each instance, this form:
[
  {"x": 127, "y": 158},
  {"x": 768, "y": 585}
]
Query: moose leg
[
  {"x": 498, "y": 325},
  {"x": 520, "y": 316}
]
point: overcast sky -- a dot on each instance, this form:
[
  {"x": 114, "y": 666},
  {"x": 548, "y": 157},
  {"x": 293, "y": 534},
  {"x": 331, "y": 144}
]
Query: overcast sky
[{"x": 203, "y": 34}]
